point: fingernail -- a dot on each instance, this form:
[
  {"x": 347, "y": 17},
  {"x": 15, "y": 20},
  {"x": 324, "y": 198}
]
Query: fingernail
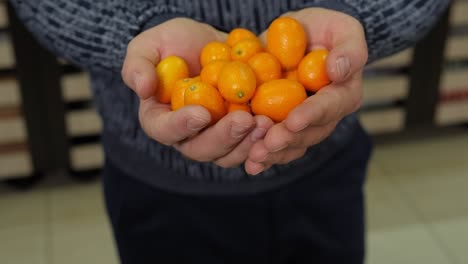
[
  {"x": 258, "y": 134},
  {"x": 259, "y": 168},
  {"x": 238, "y": 131},
  {"x": 343, "y": 66},
  {"x": 196, "y": 124}
]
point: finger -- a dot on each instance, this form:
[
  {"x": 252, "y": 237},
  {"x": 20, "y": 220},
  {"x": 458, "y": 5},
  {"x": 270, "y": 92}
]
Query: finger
[
  {"x": 254, "y": 168},
  {"x": 168, "y": 127},
  {"x": 261, "y": 154},
  {"x": 220, "y": 139},
  {"x": 138, "y": 69},
  {"x": 279, "y": 137},
  {"x": 239, "y": 154},
  {"x": 282, "y": 157},
  {"x": 348, "y": 54},
  {"x": 258, "y": 152},
  {"x": 329, "y": 104}
]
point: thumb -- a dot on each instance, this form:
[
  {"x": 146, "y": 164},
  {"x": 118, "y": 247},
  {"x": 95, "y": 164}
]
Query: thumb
[
  {"x": 138, "y": 71},
  {"x": 347, "y": 58}
]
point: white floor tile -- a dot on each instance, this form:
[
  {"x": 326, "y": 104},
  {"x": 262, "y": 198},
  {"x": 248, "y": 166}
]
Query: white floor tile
[
  {"x": 404, "y": 245},
  {"x": 19, "y": 208},
  {"x": 453, "y": 234},
  {"x": 86, "y": 242},
  {"x": 77, "y": 203},
  {"x": 79, "y": 227},
  {"x": 385, "y": 206},
  {"x": 24, "y": 244},
  {"x": 438, "y": 194}
]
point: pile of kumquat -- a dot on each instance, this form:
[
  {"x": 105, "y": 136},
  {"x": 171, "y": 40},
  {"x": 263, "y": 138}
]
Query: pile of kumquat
[{"x": 243, "y": 74}]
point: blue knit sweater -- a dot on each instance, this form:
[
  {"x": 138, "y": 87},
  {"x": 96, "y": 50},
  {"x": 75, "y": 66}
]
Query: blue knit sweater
[{"x": 94, "y": 35}]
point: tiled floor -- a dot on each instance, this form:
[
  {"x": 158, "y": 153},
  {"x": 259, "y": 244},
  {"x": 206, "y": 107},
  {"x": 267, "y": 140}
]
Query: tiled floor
[
  {"x": 416, "y": 198},
  {"x": 59, "y": 221},
  {"x": 417, "y": 193}
]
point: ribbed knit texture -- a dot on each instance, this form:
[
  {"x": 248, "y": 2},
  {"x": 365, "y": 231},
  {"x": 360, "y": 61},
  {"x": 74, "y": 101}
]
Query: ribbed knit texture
[{"x": 96, "y": 33}]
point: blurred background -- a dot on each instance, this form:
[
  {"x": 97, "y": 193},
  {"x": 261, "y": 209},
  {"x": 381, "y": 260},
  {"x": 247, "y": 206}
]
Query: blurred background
[{"x": 416, "y": 108}]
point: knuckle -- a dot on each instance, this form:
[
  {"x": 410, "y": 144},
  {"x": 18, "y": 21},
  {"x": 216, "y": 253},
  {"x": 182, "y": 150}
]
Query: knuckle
[
  {"x": 296, "y": 122},
  {"x": 334, "y": 108},
  {"x": 152, "y": 129},
  {"x": 298, "y": 141},
  {"x": 131, "y": 47},
  {"x": 289, "y": 139},
  {"x": 125, "y": 73},
  {"x": 321, "y": 111}
]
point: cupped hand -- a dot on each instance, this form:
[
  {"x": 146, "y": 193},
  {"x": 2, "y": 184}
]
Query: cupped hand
[
  {"x": 316, "y": 118},
  {"x": 228, "y": 142}
]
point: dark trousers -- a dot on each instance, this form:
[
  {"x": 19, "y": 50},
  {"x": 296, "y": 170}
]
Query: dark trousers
[{"x": 317, "y": 219}]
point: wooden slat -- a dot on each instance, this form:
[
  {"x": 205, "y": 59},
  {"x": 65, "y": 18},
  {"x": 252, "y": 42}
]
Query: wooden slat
[
  {"x": 12, "y": 147},
  {"x": 7, "y": 72},
  {"x": 7, "y": 112}
]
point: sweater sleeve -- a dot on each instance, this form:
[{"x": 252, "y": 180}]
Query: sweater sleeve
[
  {"x": 91, "y": 34},
  {"x": 390, "y": 26},
  {"x": 96, "y": 33}
]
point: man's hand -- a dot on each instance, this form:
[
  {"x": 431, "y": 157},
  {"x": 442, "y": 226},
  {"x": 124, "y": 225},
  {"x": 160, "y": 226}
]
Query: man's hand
[
  {"x": 315, "y": 119},
  {"x": 228, "y": 142}
]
